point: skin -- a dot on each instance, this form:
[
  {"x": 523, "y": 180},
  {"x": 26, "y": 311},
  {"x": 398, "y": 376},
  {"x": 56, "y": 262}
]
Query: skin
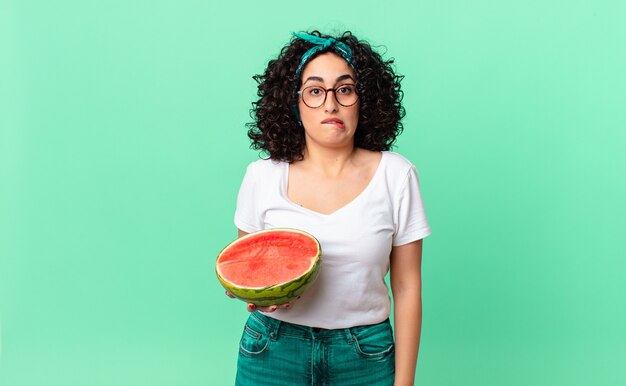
[
  {"x": 406, "y": 288},
  {"x": 333, "y": 173}
]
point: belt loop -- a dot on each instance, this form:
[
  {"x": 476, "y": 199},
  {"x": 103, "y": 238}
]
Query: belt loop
[
  {"x": 272, "y": 324},
  {"x": 348, "y": 335},
  {"x": 274, "y": 329}
]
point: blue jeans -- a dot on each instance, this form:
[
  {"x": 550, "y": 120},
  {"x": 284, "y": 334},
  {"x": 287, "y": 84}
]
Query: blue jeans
[{"x": 276, "y": 353}]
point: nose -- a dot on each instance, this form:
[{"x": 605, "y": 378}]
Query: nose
[{"x": 330, "y": 104}]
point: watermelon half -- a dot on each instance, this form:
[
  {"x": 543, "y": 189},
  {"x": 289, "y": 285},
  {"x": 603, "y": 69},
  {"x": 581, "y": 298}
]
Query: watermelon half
[{"x": 269, "y": 267}]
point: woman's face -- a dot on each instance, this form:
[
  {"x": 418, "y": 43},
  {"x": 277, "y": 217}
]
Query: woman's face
[{"x": 331, "y": 124}]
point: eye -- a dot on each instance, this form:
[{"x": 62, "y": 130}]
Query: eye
[
  {"x": 315, "y": 91},
  {"x": 345, "y": 90}
]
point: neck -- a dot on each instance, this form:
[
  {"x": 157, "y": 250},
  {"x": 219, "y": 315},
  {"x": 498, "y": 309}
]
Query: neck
[{"x": 329, "y": 161}]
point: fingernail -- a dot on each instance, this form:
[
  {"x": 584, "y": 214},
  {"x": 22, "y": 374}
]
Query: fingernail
[
  {"x": 251, "y": 307},
  {"x": 288, "y": 305},
  {"x": 273, "y": 308},
  {"x": 298, "y": 298}
]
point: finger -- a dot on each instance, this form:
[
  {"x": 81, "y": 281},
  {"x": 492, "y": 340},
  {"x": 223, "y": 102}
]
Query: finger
[
  {"x": 251, "y": 307},
  {"x": 288, "y": 305},
  {"x": 229, "y": 294},
  {"x": 267, "y": 309}
]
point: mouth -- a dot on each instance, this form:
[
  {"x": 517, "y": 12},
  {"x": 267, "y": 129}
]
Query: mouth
[{"x": 334, "y": 121}]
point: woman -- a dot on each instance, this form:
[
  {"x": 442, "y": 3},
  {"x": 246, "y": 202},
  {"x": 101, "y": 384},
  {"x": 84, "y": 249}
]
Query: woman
[{"x": 328, "y": 113}]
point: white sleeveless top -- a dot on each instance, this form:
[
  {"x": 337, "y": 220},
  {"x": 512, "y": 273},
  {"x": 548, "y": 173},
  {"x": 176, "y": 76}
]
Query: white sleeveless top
[{"x": 356, "y": 239}]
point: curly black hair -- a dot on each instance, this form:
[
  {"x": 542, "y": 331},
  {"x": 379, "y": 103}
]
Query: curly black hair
[{"x": 276, "y": 129}]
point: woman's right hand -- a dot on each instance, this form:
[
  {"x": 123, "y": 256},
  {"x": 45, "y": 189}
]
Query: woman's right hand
[{"x": 253, "y": 307}]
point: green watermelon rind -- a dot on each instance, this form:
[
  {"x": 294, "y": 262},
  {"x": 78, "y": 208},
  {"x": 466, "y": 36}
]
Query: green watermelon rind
[{"x": 280, "y": 293}]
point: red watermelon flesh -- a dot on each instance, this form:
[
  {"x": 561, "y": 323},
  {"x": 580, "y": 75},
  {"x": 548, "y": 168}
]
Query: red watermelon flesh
[{"x": 271, "y": 266}]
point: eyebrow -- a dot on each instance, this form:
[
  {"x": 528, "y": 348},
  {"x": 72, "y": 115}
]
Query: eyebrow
[{"x": 319, "y": 79}]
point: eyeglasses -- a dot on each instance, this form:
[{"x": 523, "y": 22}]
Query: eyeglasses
[{"x": 315, "y": 96}]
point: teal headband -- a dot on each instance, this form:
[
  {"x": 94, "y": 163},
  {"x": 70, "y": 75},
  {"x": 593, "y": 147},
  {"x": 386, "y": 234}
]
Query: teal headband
[{"x": 321, "y": 44}]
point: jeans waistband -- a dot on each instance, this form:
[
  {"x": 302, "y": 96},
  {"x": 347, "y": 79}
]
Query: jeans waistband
[{"x": 276, "y": 326}]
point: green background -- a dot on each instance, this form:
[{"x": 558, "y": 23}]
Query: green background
[{"x": 122, "y": 146}]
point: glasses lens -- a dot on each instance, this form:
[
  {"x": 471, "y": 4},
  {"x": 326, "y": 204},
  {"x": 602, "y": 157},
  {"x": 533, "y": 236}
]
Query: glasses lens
[
  {"x": 346, "y": 94},
  {"x": 313, "y": 96}
]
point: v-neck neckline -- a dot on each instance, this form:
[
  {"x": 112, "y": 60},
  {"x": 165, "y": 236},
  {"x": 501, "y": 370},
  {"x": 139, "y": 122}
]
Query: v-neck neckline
[{"x": 356, "y": 198}]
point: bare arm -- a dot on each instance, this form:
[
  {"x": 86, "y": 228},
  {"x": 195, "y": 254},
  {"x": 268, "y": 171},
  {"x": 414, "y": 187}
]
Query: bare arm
[{"x": 406, "y": 287}]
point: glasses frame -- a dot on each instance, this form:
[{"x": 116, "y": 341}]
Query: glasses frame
[{"x": 326, "y": 90}]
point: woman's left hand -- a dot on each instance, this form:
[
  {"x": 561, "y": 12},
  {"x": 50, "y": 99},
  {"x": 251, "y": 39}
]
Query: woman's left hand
[{"x": 253, "y": 307}]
